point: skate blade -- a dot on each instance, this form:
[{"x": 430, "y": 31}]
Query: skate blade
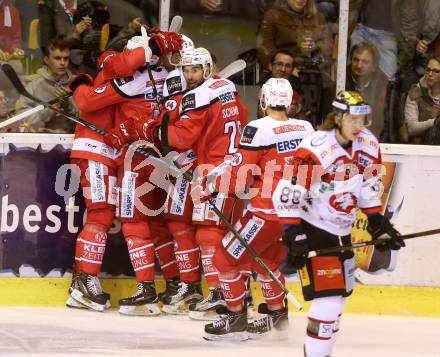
[
  {"x": 175, "y": 309},
  {"x": 203, "y": 315},
  {"x": 231, "y": 337},
  {"x": 73, "y": 304},
  {"x": 140, "y": 310},
  {"x": 273, "y": 334},
  {"x": 79, "y": 298}
]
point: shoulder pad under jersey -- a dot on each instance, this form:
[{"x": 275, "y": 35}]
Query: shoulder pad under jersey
[
  {"x": 140, "y": 84},
  {"x": 175, "y": 83},
  {"x": 367, "y": 143},
  {"x": 211, "y": 90}
]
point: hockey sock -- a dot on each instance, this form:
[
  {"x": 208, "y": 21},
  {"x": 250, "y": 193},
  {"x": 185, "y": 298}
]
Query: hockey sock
[
  {"x": 233, "y": 290},
  {"x": 210, "y": 272},
  {"x": 164, "y": 250},
  {"x": 209, "y": 238},
  {"x": 90, "y": 248},
  {"x": 186, "y": 250},
  {"x": 272, "y": 293},
  {"x": 167, "y": 260},
  {"x": 322, "y": 317},
  {"x": 140, "y": 249}
]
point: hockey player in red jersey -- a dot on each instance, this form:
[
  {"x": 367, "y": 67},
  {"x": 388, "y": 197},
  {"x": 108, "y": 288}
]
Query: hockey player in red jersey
[
  {"x": 211, "y": 114},
  {"x": 266, "y": 146},
  {"x": 336, "y": 171},
  {"x": 103, "y": 103}
]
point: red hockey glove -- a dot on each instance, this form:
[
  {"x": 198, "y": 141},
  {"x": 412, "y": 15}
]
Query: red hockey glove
[
  {"x": 80, "y": 79},
  {"x": 122, "y": 134},
  {"x": 146, "y": 129},
  {"x": 168, "y": 41}
]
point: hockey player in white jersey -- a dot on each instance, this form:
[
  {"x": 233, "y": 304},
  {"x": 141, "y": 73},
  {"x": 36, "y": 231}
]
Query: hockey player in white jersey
[
  {"x": 266, "y": 145},
  {"x": 336, "y": 172}
]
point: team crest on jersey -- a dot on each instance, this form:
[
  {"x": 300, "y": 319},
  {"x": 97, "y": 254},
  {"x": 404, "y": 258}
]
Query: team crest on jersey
[
  {"x": 237, "y": 159},
  {"x": 174, "y": 85},
  {"x": 189, "y": 101},
  {"x": 100, "y": 90},
  {"x": 100, "y": 237},
  {"x": 248, "y": 134},
  {"x": 170, "y": 105},
  {"x": 344, "y": 202}
]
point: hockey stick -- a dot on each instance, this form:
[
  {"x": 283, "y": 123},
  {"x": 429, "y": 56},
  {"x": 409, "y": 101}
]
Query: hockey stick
[
  {"x": 12, "y": 75},
  {"x": 362, "y": 244},
  {"x": 176, "y": 24},
  {"x": 232, "y": 68},
  {"x": 251, "y": 251},
  {"x": 30, "y": 112}
]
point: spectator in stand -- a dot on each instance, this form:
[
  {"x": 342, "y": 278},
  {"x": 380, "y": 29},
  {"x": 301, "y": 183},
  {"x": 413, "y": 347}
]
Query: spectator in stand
[
  {"x": 298, "y": 26},
  {"x": 282, "y": 65},
  {"x": 55, "y": 76},
  {"x": 421, "y": 44},
  {"x": 422, "y": 108},
  {"x": 10, "y": 35},
  {"x": 56, "y": 20},
  {"x": 364, "y": 76},
  {"x": 384, "y": 23}
]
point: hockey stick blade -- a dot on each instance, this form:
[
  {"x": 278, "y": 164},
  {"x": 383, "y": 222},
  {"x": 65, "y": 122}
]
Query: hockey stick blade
[
  {"x": 362, "y": 244},
  {"x": 232, "y": 68},
  {"x": 176, "y": 24}
]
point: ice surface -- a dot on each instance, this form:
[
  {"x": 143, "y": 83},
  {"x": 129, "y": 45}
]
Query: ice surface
[{"x": 70, "y": 332}]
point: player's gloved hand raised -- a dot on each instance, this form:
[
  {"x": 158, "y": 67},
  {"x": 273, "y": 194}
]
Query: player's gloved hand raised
[
  {"x": 168, "y": 42},
  {"x": 298, "y": 248},
  {"x": 122, "y": 134},
  {"x": 381, "y": 227}
]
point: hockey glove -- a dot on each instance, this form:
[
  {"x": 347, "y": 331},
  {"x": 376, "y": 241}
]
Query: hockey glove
[
  {"x": 146, "y": 129},
  {"x": 296, "y": 241},
  {"x": 381, "y": 227},
  {"x": 168, "y": 42},
  {"x": 122, "y": 134},
  {"x": 79, "y": 80}
]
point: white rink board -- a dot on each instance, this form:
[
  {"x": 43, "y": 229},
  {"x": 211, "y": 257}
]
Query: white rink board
[
  {"x": 62, "y": 332},
  {"x": 417, "y": 181}
]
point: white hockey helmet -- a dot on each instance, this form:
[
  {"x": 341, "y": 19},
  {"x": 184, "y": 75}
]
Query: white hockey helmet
[
  {"x": 187, "y": 45},
  {"x": 198, "y": 56},
  {"x": 140, "y": 41},
  {"x": 276, "y": 92}
]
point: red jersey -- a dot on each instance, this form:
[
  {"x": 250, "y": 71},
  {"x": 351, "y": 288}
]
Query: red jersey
[{"x": 211, "y": 117}]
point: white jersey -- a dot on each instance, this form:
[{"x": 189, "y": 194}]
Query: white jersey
[
  {"x": 175, "y": 83},
  {"x": 140, "y": 84},
  {"x": 329, "y": 183}
]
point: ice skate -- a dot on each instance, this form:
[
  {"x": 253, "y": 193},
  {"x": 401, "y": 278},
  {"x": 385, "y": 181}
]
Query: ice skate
[
  {"x": 143, "y": 303},
  {"x": 206, "y": 310},
  {"x": 187, "y": 294},
  {"x": 73, "y": 304},
  {"x": 86, "y": 290},
  {"x": 273, "y": 320},
  {"x": 172, "y": 286},
  {"x": 230, "y": 327}
]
